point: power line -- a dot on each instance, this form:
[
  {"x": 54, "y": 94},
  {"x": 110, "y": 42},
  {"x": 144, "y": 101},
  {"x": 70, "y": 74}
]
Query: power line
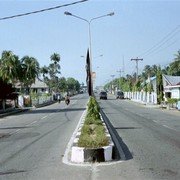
[
  {"x": 162, "y": 41},
  {"x": 157, "y": 51},
  {"x": 42, "y": 10}
]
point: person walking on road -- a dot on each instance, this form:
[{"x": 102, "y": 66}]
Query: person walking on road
[{"x": 59, "y": 98}]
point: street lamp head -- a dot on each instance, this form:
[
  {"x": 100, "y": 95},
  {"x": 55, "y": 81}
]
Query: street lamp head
[
  {"x": 67, "y": 13},
  {"x": 111, "y": 14}
]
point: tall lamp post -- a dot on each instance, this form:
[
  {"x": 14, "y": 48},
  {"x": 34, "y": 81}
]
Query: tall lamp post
[{"x": 89, "y": 27}]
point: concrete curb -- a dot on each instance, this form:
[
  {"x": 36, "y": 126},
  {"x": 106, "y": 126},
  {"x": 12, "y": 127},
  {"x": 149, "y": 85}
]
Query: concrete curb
[
  {"x": 81, "y": 154},
  {"x": 19, "y": 110},
  {"x": 121, "y": 154},
  {"x": 44, "y": 104},
  {"x": 13, "y": 111}
]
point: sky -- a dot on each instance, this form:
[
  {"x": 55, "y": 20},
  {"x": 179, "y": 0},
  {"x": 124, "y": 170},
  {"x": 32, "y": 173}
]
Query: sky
[{"x": 147, "y": 29}]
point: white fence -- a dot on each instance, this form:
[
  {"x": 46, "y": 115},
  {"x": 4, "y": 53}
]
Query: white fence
[
  {"x": 24, "y": 101},
  {"x": 143, "y": 97}
]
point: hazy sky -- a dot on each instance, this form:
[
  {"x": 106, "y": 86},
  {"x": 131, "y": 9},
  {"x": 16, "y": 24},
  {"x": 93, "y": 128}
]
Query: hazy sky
[{"x": 134, "y": 31}]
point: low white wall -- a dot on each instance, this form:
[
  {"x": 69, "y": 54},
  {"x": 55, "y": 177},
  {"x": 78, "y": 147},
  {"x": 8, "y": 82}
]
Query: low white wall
[{"x": 144, "y": 97}]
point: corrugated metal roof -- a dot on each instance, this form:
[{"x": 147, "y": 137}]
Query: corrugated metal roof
[{"x": 172, "y": 80}]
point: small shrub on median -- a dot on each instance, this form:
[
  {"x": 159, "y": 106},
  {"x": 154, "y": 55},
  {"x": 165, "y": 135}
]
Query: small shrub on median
[
  {"x": 93, "y": 132},
  {"x": 93, "y": 108},
  {"x": 92, "y": 120},
  {"x": 93, "y": 136}
]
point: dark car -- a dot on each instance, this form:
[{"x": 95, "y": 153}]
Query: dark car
[
  {"x": 119, "y": 95},
  {"x": 103, "y": 95}
]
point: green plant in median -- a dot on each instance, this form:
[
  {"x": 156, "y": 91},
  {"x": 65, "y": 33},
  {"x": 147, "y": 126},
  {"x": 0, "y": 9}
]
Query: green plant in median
[
  {"x": 93, "y": 108},
  {"x": 93, "y": 136},
  {"x": 93, "y": 132}
]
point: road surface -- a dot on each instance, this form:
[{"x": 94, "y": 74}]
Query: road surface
[{"x": 33, "y": 144}]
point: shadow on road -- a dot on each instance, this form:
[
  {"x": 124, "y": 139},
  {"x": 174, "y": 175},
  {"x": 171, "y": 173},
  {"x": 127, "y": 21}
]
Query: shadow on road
[
  {"x": 127, "y": 127},
  {"x": 121, "y": 151},
  {"x": 57, "y": 110},
  {"x": 17, "y": 127}
]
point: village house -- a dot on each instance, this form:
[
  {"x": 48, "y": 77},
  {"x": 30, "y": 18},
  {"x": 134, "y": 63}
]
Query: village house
[
  {"x": 171, "y": 86},
  {"x": 39, "y": 86}
]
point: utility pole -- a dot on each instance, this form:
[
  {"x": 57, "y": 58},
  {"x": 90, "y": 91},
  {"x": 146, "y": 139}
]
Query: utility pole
[{"x": 137, "y": 60}]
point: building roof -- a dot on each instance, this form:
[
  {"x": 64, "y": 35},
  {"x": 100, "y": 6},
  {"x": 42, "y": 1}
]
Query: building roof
[
  {"x": 172, "y": 80},
  {"x": 151, "y": 79},
  {"x": 39, "y": 84}
]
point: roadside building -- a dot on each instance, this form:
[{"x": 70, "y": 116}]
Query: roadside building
[
  {"x": 38, "y": 87},
  {"x": 171, "y": 86}
]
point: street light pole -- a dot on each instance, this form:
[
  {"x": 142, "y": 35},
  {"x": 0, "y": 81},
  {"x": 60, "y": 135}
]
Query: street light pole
[{"x": 89, "y": 33}]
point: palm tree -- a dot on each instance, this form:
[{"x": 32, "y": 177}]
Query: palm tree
[
  {"x": 10, "y": 65},
  {"x": 177, "y": 58},
  {"x": 44, "y": 71},
  {"x": 154, "y": 70},
  {"x": 30, "y": 67},
  {"x": 147, "y": 71},
  {"x": 54, "y": 68},
  {"x": 55, "y": 58},
  {"x": 174, "y": 67},
  {"x": 159, "y": 84}
]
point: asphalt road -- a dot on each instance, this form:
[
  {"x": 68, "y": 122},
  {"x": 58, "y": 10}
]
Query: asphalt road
[
  {"x": 150, "y": 140},
  {"x": 33, "y": 144}
]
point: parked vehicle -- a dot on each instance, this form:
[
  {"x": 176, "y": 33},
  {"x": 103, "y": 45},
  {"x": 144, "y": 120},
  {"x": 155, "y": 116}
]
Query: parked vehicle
[
  {"x": 103, "y": 95},
  {"x": 119, "y": 95}
]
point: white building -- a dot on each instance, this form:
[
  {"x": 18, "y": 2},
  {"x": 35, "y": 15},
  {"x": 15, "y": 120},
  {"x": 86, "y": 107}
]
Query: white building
[{"x": 171, "y": 86}]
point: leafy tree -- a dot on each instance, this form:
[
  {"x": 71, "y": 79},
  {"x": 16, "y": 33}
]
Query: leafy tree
[
  {"x": 154, "y": 70},
  {"x": 77, "y": 86},
  {"x": 55, "y": 57},
  {"x": 159, "y": 83},
  {"x": 62, "y": 84},
  {"x": 137, "y": 86},
  {"x": 54, "y": 70},
  {"x": 174, "y": 67},
  {"x": 147, "y": 71},
  {"x": 71, "y": 84},
  {"x": 10, "y": 66},
  {"x": 44, "y": 71},
  {"x": 30, "y": 67}
]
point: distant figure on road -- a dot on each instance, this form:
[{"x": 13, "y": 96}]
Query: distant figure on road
[
  {"x": 59, "y": 98},
  {"x": 67, "y": 99}
]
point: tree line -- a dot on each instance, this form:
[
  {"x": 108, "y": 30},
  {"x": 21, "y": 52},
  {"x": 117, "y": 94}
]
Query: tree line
[
  {"x": 25, "y": 70},
  {"x": 129, "y": 83}
]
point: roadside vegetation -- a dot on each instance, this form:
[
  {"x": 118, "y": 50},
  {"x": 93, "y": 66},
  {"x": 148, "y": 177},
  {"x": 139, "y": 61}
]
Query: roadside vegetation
[
  {"x": 24, "y": 71},
  {"x": 172, "y": 102},
  {"x": 129, "y": 83},
  {"x": 93, "y": 131}
]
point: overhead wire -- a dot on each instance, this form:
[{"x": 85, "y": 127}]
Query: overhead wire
[
  {"x": 157, "y": 51},
  {"x": 158, "y": 45},
  {"x": 42, "y": 10}
]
